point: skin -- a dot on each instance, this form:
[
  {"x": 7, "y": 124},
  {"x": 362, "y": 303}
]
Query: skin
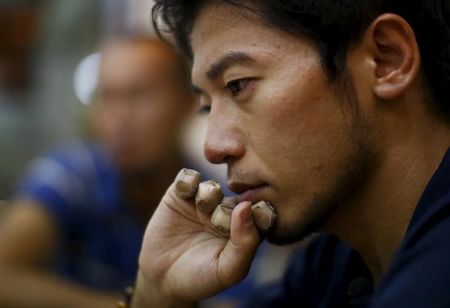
[
  {"x": 301, "y": 174},
  {"x": 141, "y": 108},
  {"x": 142, "y": 104},
  {"x": 298, "y": 138}
]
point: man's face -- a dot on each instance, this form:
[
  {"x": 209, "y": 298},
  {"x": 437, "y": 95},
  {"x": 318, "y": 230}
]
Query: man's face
[
  {"x": 141, "y": 104},
  {"x": 288, "y": 135}
]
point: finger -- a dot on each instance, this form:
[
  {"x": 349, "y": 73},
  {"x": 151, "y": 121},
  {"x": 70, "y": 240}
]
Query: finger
[
  {"x": 208, "y": 196},
  {"x": 186, "y": 183},
  {"x": 244, "y": 233},
  {"x": 264, "y": 216},
  {"x": 221, "y": 217},
  {"x": 238, "y": 254}
]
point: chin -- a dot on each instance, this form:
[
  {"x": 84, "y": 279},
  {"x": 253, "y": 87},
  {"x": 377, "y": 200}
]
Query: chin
[
  {"x": 292, "y": 233},
  {"x": 294, "y": 227}
]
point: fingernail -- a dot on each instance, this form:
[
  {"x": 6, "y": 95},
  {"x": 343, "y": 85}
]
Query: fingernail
[{"x": 186, "y": 183}]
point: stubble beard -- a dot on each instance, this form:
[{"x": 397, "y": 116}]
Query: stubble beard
[{"x": 354, "y": 170}]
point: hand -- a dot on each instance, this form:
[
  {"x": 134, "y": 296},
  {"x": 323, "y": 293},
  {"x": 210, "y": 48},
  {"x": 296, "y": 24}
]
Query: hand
[{"x": 185, "y": 258}]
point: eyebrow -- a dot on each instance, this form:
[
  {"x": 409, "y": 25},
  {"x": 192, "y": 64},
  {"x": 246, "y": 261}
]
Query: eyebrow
[{"x": 228, "y": 60}]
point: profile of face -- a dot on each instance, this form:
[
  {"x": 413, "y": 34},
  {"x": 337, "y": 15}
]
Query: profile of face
[
  {"x": 142, "y": 103},
  {"x": 287, "y": 134}
]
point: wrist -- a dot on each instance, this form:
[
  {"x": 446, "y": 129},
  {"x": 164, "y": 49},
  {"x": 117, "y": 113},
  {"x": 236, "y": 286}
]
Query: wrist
[
  {"x": 147, "y": 294},
  {"x": 143, "y": 294}
]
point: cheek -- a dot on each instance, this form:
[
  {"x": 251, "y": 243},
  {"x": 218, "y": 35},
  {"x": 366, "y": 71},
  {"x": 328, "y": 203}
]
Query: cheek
[{"x": 303, "y": 127}]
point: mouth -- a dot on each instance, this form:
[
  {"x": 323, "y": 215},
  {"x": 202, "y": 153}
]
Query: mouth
[{"x": 248, "y": 192}]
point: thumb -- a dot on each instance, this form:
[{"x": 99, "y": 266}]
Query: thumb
[{"x": 237, "y": 256}]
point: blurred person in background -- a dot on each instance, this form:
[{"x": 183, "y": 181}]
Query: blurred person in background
[{"x": 72, "y": 234}]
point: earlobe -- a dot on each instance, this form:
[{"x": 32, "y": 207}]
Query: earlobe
[{"x": 396, "y": 55}]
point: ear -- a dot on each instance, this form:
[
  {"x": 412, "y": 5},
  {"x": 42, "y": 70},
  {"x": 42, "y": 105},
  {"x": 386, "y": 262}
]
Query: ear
[{"x": 395, "y": 53}]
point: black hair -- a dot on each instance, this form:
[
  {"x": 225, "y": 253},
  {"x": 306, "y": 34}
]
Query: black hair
[{"x": 334, "y": 26}]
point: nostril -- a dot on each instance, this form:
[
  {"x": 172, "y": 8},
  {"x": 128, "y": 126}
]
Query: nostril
[
  {"x": 223, "y": 150},
  {"x": 214, "y": 154}
]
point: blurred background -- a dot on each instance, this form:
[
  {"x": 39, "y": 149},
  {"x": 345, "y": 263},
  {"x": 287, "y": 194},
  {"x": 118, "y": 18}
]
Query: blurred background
[
  {"x": 49, "y": 66},
  {"x": 42, "y": 42}
]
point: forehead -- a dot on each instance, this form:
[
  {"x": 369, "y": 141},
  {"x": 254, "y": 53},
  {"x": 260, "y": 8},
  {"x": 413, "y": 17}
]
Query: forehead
[
  {"x": 222, "y": 29},
  {"x": 132, "y": 62}
]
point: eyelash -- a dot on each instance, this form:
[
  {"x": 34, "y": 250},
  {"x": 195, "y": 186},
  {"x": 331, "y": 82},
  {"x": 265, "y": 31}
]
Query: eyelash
[
  {"x": 240, "y": 83},
  {"x": 234, "y": 86},
  {"x": 204, "y": 109}
]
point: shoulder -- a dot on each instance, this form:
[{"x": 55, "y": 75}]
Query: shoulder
[
  {"x": 419, "y": 275},
  {"x": 66, "y": 177},
  {"x": 319, "y": 275},
  {"x": 76, "y": 159}
]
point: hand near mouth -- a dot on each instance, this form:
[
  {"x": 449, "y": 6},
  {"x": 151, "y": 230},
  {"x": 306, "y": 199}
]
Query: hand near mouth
[{"x": 184, "y": 257}]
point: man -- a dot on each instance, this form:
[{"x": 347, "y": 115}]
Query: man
[
  {"x": 72, "y": 235},
  {"x": 337, "y": 113}
]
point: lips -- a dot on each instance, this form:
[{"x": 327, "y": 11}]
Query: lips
[
  {"x": 253, "y": 195},
  {"x": 247, "y": 192}
]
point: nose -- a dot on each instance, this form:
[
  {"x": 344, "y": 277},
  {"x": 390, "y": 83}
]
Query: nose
[{"x": 223, "y": 142}]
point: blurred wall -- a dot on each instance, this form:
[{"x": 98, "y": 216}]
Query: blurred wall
[{"x": 45, "y": 111}]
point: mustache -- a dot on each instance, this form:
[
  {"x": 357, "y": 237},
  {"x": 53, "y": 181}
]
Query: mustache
[{"x": 243, "y": 175}]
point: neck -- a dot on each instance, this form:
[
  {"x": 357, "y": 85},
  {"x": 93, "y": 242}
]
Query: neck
[
  {"x": 143, "y": 189},
  {"x": 375, "y": 219}
]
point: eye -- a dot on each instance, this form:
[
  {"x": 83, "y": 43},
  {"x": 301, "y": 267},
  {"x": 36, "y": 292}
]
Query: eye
[
  {"x": 204, "y": 109},
  {"x": 236, "y": 86}
]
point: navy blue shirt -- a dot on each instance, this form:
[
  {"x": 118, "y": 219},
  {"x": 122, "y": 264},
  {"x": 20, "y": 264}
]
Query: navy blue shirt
[{"x": 328, "y": 273}]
